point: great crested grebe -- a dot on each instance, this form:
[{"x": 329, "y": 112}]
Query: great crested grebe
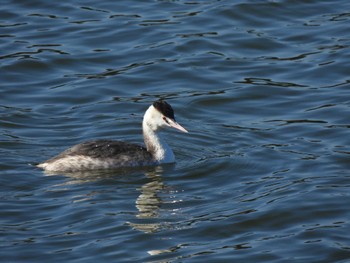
[{"x": 109, "y": 154}]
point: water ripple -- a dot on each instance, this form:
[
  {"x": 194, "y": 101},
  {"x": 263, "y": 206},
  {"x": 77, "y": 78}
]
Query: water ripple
[{"x": 263, "y": 89}]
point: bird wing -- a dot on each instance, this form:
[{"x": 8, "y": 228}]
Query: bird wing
[{"x": 105, "y": 149}]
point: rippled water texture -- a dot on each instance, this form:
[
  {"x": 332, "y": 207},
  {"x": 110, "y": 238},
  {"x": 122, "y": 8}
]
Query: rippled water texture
[{"x": 263, "y": 88}]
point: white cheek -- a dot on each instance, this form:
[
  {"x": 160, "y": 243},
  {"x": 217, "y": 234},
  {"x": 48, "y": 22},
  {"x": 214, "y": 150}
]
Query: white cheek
[{"x": 157, "y": 123}]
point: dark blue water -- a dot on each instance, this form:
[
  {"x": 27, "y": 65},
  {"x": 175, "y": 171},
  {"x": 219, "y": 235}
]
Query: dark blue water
[{"x": 262, "y": 86}]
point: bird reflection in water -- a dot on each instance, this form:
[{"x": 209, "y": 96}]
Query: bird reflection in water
[
  {"x": 149, "y": 203},
  {"x": 148, "y": 218}
]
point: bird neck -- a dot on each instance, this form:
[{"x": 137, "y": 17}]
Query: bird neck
[{"x": 155, "y": 144}]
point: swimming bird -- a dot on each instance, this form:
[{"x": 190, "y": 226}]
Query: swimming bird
[{"x": 110, "y": 154}]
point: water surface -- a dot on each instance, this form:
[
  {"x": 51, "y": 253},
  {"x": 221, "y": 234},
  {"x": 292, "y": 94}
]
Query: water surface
[{"x": 263, "y": 88}]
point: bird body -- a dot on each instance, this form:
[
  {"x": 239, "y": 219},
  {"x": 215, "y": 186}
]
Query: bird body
[{"x": 110, "y": 154}]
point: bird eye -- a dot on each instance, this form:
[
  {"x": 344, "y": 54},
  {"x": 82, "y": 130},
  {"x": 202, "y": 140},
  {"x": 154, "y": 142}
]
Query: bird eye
[{"x": 165, "y": 119}]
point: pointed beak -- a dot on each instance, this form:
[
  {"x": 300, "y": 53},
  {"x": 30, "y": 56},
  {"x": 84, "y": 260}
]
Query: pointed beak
[{"x": 175, "y": 125}]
